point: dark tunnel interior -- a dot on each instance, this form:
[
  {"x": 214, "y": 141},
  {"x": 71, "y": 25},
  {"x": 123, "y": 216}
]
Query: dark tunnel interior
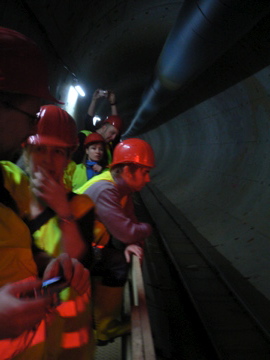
[{"x": 192, "y": 79}]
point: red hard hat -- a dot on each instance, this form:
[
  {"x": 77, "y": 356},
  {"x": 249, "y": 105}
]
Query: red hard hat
[
  {"x": 55, "y": 128},
  {"x": 93, "y": 138},
  {"x": 115, "y": 121},
  {"x": 135, "y": 151},
  {"x": 22, "y": 66}
]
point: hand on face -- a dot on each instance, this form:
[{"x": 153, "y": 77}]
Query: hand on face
[{"x": 50, "y": 192}]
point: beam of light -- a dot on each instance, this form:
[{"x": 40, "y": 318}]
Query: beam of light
[
  {"x": 79, "y": 90},
  {"x": 71, "y": 100}
]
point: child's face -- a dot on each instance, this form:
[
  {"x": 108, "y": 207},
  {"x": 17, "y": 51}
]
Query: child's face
[{"x": 95, "y": 152}]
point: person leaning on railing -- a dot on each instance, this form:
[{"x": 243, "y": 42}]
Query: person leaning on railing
[{"x": 112, "y": 192}]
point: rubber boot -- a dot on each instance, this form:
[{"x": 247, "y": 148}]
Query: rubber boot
[{"x": 107, "y": 313}]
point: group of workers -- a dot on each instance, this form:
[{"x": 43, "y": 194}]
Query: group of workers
[{"x": 62, "y": 219}]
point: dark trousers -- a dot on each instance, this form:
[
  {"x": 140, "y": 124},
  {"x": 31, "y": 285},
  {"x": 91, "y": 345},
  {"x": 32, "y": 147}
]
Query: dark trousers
[{"x": 111, "y": 265}]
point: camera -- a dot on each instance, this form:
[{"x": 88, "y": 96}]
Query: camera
[{"x": 103, "y": 93}]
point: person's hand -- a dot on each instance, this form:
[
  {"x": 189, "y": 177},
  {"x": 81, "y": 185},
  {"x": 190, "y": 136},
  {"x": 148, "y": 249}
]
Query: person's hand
[
  {"x": 73, "y": 271},
  {"x": 19, "y": 311},
  {"x": 50, "y": 192},
  {"x": 112, "y": 98},
  {"x": 133, "y": 249},
  {"x": 97, "y": 168},
  {"x": 96, "y": 95}
]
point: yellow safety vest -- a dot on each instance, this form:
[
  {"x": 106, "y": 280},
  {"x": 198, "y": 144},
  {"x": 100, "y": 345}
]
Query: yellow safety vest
[
  {"x": 73, "y": 321},
  {"x": 69, "y": 333},
  {"x": 105, "y": 175},
  {"x": 17, "y": 263},
  {"x": 101, "y": 235},
  {"x": 79, "y": 176},
  {"x": 86, "y": 132}
]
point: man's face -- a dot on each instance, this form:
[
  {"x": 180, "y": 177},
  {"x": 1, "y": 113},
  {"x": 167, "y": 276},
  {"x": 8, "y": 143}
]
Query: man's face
[
  {"x": 138, "y": 179},
  {"x": 15, "y": 127},
  {"x": 109, "y": 132}
]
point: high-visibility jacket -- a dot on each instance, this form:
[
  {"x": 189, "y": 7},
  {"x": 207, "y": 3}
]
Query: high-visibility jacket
[
  {"x": 106, "y": 175},
  {"x": 75, "y": 175},
  {"x": 69, "y": 332},
  {"x": 86, "y": 132},
  {"x": 16, "y": 262},
  {"x": 79, "y": 176},
  {"x": 73, "y": 320},
  {"x": 101, "y": 235}
]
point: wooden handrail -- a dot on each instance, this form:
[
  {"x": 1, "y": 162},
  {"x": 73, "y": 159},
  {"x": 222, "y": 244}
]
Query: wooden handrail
[{"x": 141, "y": 335}]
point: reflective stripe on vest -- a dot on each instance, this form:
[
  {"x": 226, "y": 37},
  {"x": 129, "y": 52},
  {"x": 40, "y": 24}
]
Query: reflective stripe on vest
[
  {"x": 101, "y": 235},
  {"x": 105, "y": 175},
  {"x": 75, "y": 339},
  {"x": 11, "y": 347},
  {"x": 72, "y": 308}
]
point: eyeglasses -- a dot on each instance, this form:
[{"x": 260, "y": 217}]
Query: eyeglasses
[{"x": 35, "y": 118}]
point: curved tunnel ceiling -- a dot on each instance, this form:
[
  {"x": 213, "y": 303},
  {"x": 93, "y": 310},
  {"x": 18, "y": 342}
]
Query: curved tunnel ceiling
[
  {"x": 118, "y": 44},
  {"x": 107, "y": 44}
]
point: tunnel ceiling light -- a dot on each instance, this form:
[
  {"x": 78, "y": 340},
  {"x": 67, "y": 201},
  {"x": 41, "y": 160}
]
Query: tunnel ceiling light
[
  {"x": 79, "y": 90},
  {"x": 71, "y": 100}
]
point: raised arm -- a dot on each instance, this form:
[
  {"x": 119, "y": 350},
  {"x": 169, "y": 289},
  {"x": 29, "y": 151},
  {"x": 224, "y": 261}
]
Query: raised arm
[
  {"x": 92, "y": 106},
  {"x": 112, "y": 101}
]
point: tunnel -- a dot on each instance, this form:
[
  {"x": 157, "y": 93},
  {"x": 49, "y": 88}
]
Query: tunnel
[{"x": 192, "y": 79}]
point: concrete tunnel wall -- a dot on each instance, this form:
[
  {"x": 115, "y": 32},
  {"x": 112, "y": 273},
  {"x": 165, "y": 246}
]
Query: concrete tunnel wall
[{"x": 213, "y": 164}]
